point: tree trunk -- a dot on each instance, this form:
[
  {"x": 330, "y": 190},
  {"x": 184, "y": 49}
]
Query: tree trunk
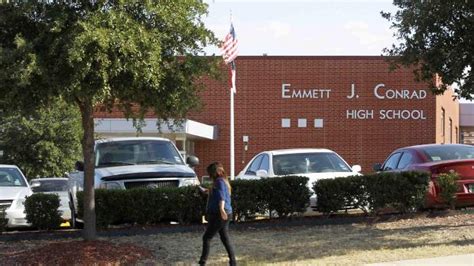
[{"x": 87, "y": 113}]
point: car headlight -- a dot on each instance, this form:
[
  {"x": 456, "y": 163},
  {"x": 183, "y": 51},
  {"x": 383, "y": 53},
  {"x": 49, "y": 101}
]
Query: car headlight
[
  {"x": 110, "y": 185},
  {"x": 190, "y": 182}
]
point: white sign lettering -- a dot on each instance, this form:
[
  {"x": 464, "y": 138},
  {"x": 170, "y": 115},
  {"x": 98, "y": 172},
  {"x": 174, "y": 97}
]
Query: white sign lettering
[
  {"x": 382, "y": 93},
  {"x": 386, "y": 114},
  {"x": 288, "y": 93}
]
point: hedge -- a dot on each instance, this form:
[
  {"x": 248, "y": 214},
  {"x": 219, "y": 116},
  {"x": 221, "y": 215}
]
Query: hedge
[
  {"x": 401, "y": 191},
  {"x": 3, "y": 220},
  {"x": 284, "y": 196},
  {"x": 42, "y": 211},
  {"x": 147, "y": 206}
]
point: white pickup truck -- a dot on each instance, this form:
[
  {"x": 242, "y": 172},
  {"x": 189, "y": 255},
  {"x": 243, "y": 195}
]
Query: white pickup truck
[{"x": 127, "y": 163}]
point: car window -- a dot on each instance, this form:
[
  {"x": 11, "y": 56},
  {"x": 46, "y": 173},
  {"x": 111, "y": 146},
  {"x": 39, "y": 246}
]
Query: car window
[
  {"x": 405, "y": 160},
  {"x": 391, "y": 162},
  {"x": 11, "y": 177},
  {"x": 252, "y": 170},
  {"x": 49, "y": 185},
  {"x": 447, "y": 152},
  {"x": 303, "y": 163},
  {"x": 264, "y": 165},
  {"x": 136, "y": 152}
]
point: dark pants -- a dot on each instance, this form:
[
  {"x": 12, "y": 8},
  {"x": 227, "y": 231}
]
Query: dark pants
[{"x": 216, "y": 224}]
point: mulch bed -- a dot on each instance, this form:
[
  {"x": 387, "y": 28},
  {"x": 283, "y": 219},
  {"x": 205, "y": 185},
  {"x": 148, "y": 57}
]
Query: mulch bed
[{"x": 79, "y": 252}]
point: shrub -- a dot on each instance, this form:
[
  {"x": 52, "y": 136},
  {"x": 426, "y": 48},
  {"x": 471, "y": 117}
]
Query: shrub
[
  {"x": 247, "y": 199},
  {"x": 42, "y": 211},
  {"x": 340, "y": 193},
  {"x": 402, "y": 191},
  {"x": 147, "y": 206},
  {"x": 448, "y": 186},
  {"x": 3, "y": 220},
  {"x": 286, "y": 195}
]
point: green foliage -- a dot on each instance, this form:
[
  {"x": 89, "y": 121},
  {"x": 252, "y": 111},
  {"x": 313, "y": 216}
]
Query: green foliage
[
  {"x": 138, "y": 56},
  {"x": 403, "y": 191},
  {"x": 43, "y": 143},
  {"x": 3, "y": 220},
  {"x": 248, "y": 199},
  {"x": 105, "y": 52},
  {"x": 448, "y": 185},
  {"x": 437, "y": 37},
  {"x": 286, "y": 195},
  {"x": 341, "y": 193},
  {"x": 147, "y": 206},
  {"x": 42, "y": 211}
]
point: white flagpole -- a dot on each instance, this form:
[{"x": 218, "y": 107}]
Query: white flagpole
[
  {"x": 232, "y": 153},
  {"x": 232, "y": 92}
]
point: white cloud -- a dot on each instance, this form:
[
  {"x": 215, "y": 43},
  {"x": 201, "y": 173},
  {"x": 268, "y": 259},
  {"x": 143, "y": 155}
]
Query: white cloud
[
  {"x": 362, "y": 32},
  {"x": 276, "y": 29}
]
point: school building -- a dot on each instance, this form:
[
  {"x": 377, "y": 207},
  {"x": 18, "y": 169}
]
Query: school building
[{"x": 354, "y": 105}]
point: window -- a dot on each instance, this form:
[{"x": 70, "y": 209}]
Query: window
[
  {"x": 456, "y": 135},
  {"x": 450, "y": 130},
  {"x": 265, "y": 163},
  {"x": 391, "y": 162},
  {"x": 443, "y": 126},
  {"x": 318, "y": 123},
  {"x": 285, "y": 122},
  {"x": 405, "y": 160},
  {"x": 252, "y": 170},
  {"x": 301, "y": 122}
]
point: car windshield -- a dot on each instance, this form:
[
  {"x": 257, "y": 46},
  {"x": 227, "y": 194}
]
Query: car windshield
[
  {"x": 444, "y": 152},
  {"x": 49, "y": 185},
  {"x": 11, "y": 177},
  {"x": 303, "y": 163},
  {"x": 134, "y": 152}
]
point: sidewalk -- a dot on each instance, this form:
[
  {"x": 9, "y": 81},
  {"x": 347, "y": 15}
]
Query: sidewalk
[{"x": 464, "y": 260}]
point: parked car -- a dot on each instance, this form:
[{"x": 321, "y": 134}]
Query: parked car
[
  {"x": 140, "y": 162},
  {"x": 14, "y": 189},
  {"x": 58, "y": 186},
  {"x": 437, "y": 159},
  {"x": 313, "y": 163}
]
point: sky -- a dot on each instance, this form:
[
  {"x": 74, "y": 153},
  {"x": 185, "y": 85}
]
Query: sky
[{"x": 303, "y": 27}]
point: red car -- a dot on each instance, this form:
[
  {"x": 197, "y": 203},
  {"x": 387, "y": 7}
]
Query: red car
[{"x": 437, "y": 159}]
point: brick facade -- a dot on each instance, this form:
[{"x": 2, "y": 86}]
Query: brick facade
[{"x": 324, "y": 84}]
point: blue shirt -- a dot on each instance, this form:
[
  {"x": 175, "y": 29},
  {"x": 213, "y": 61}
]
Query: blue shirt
[{"x": 219, "y": 193}]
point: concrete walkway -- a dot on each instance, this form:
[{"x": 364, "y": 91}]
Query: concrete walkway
[{"x": 464, "y": 260}]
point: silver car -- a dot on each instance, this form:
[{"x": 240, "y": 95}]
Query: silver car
[{"x": 14, "y": 189}]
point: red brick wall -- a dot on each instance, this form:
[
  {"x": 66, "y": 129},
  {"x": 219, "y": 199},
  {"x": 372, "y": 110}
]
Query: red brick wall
[{"x": 259, "y": 108}]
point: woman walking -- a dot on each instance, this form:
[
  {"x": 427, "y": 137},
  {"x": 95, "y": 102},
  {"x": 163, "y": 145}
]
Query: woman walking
[{"x": 218, "y": 212}]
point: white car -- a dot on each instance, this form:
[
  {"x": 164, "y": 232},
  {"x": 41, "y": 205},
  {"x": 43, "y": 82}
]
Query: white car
[
  {"x": 14, "y": 189},
  {"x": 58, "y": 186},
  {"x": 313, "y": 163}
]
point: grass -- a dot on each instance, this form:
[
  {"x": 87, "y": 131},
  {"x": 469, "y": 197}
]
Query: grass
[
  {"x": 388, "y": 239},
  {"x": 351, "y": 244}
]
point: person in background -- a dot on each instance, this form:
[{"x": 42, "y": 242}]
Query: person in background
[{"x": 218, "y": 212}]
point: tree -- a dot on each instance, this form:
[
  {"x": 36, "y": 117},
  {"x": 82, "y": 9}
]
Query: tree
[
  {"x": 43, "y": 143},
  {"x": 138, "y": 56},
  {"x": 438, "y": 37}
]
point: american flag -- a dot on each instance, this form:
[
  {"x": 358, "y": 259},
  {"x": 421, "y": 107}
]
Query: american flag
[
  {"x": 229, "y": 46},
  {"x": 229, "y": 49}
]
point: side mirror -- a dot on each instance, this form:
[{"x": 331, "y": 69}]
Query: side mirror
[
  {"x": 35, "y": 184},
  {"x": 79, "y": 166},
  {"x": 377, "y": 167},
  {"x": 192, "y": 161},
  {"x": 356, "y": 168},
  {"x": 261, "y": 173}
]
